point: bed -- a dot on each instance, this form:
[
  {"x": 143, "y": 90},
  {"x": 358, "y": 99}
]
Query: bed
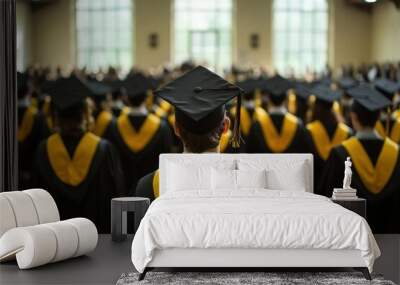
[{"x": 247, "y": 211}]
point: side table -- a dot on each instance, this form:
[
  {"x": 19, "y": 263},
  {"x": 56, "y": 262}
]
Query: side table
[{"x": 119, "y": 208}]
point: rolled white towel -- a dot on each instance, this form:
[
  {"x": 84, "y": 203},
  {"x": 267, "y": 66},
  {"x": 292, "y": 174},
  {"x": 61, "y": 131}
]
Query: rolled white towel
[
  {"x": 37, "y": 245},
  {"x": 7, "y": 218},
  {"x": 45, "y": 205}
]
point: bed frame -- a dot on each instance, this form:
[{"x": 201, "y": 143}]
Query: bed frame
[
  {"x": 242, "y": 259},
  {"x": 249, "y": 259}
]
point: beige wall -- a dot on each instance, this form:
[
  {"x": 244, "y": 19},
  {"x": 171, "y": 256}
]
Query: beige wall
[
  {"x": 385, "y": 32},
  {"x": 253, "y": 17},
  {"x": 152, "y": 16},
  {"x": 350, "y": 36},
  {"x": 356, "y": 35},
  {"x": 54, "y": 33}
]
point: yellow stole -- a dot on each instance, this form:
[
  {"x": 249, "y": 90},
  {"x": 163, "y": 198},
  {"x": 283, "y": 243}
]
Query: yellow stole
[
  {"x": 156, "y": 183},
  {"x": 72, "y": 171},
  {"x": 102, "y": 122},
  {"x": 171, "y": 120},
  {"x": 373, "y": 178},
  {"x": 125, "y": 110},
  {"x": 137, "y": 140},
  {"x": 245, "y": 120},
  {"x": 380, "y": 129},
  {"x": 165, "y": 106},
  {"x": 394, "y": 132},
  {"x": 321, "y": 138},
  {"x": 277, "y": 142},
  {"x": 292, "y": 105},
  {"x": 27, "y": 123},
  {"x": 159, "y": 112},
  {"x": 224, "y": 142}
]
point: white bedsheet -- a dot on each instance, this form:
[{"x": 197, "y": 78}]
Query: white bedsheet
[{"x": 250, "y": 219}]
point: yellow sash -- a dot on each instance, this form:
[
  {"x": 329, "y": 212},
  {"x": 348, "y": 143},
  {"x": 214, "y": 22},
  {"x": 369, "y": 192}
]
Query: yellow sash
[
  {"x": 125, "y": 110},
  {"x": 373, "y": 178},
  {"x": 171, "y": 120},
  {"x": 245, "y": 119},
  {"x": 277, "y": 142},
  {"x": 395, "y": 132},
  {"x": 165, "y": 106},
  {"x": 156, "y": 183},
  {"x": 380, "y": 129},
  {"x": 137, "y": 140},
  {"x": 102, "y": 122},
  {"x": 292, "y": 105},
  {"x": 27, "y": 123},
  {"x": 72, "y": 172},
  {"x": 321, "y": 139},
  {"x": 224, "y": 142},
  {"x": 159, "y": 112}
]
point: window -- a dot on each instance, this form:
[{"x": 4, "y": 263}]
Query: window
[
  {"x": 203, "y": 32},
  {"x": 300, "y": 35},
  {"x": 104, "y": 33}
]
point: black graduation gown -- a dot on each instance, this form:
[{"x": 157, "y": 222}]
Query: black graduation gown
[
  {"x": 28, "y": 141},
  {"x": 91, "y": 198},
  {"x": 137, "y": 164},
  {"x": 257, "y": 144},
  {"x": 148, "y": 185},
  {"x": 383, "y": 209},
  {"x": 319, "y": 162}
]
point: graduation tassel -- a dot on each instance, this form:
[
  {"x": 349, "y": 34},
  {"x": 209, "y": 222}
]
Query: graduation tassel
[{"x": 237, "y": 138}]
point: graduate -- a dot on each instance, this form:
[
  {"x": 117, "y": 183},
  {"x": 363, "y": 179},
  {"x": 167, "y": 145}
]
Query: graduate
[
  {"x": 102, "y": 112},
  {"x": 388, "y": 124},
  {"x": 325, "y": 130},
  {"x": 29, "y": 134},
  {"x": 276, "y": 130},
  {"x": 199, "y": 97},
  {"x": 249, "y": 86},
  {"x": 79, "y": 169},
  {"x": 301, "y": 94},
  {"x": 345, "y": 84},
  {"x": 139, "y": 136},
  {"x": 376, "y": 163}
]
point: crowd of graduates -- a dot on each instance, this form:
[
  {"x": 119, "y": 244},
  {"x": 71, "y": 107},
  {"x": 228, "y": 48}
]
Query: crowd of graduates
[{"x": 87, "y": 137}]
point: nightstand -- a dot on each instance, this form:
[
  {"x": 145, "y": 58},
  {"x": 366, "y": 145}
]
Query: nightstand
[
  {"x": 119, "y": 208},
  {"x": 358, "y": 205}
]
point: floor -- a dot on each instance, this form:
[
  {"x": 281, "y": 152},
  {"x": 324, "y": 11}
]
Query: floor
[{"x": 110, "y": 260}]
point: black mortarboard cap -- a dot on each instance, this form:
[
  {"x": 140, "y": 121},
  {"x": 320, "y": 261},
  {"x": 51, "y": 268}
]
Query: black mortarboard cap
[
  {"x": 302, "y": 91},
  {"x": 347, "y": 83},
  {"x": 326, "y": 94},
  {"x": 387, "y": 87},
  {"x": 199, "y": 97},
  {"x": 249, "y": 85},
  {"x": 98, "y": 89},
  {"x": 277, "y": 86},
  {"x": 68, "y": 92},
  {"x": 368, "y": 97}
]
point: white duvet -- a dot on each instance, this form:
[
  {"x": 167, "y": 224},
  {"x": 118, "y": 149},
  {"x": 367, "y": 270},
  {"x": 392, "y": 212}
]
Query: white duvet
[{"x": 250, "y": 219}]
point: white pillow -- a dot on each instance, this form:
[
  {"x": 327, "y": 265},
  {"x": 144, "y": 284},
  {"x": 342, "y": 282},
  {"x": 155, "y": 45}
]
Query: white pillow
[
  {"x": 251, "y": 178},
  {"x": 281, "y": 174},
  {"x": 188, "y": 177},
  {"x": 293, "y": 179},
  {"x": 223, "y": 179}
]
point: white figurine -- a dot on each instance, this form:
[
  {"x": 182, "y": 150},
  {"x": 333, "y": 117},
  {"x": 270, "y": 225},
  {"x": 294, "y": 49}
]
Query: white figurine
[{"x": 347, "y": 174}]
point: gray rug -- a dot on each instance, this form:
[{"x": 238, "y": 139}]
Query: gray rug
[{"x": 231, "y": 278}]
